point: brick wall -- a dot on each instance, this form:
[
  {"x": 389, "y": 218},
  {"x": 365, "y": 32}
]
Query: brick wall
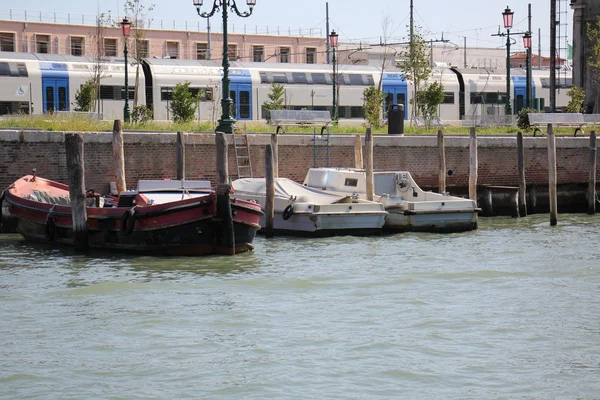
[{"x": 152, "y": 155}]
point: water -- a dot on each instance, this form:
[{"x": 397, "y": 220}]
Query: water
[{"x": 508, "y": 311}]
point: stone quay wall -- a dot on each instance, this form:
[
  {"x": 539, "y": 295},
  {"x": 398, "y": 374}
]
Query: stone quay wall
[{"x": 153, "y": 156}]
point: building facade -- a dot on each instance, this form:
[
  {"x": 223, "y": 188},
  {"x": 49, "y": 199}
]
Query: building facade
[{"x": 584, "y": 12}]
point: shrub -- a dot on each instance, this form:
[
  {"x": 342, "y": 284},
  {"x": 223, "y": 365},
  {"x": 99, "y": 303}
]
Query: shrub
[
  {"x": 523, "y": 118},
  {"x": 141, "y": 114},
  {"x": 84, "y": 97},
  {"x": 576, "y": 97},
  {"x": 184, "y": 103}
]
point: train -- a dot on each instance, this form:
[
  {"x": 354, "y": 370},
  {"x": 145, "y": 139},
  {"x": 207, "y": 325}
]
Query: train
[{"x": 34, "y": 83}]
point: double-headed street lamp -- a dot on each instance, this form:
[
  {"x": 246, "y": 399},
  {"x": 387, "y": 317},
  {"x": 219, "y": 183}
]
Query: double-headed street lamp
[
  {"x": 126, "y": 27},
  {"x": 227, "y": 121},
  {"x": 333, "y": 41},
  {"x": 507, "y": 17}
]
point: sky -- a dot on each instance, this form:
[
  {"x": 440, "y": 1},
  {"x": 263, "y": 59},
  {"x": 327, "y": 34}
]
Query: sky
[{"x": 359, "y": 21}]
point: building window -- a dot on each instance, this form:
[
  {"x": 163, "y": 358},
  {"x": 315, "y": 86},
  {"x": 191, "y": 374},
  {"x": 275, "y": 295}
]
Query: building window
[
  {"x": 284, "y": 54},
  {"x": 110, "y": 47},
  {"x": 42, "y": 43},
  {"x": 173, "y": 49},
  {"x": 258, "y": 53},
  {"x": 232, "y": 51},
  {"x": 311, "y": 55},
  {"x": 143, "y": 48},
  {"x": 77, "y": 46},
  {"x": 7, "y": 41},
  {"x": 201, "y": 51}
]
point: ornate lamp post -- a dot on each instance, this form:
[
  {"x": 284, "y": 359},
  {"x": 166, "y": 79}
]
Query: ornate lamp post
[
  {"x": 126, "y": 27},
  {"x": 527, "y": 45},
  {"x": 227, "y": 121},
  {"x": 333, "y": 41},
  {"x": 507, "y": 16}
]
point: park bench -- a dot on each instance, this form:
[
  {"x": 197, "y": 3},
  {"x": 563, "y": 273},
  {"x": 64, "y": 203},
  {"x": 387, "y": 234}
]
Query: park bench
[
  {"x": 434, "y": 123},
  {"x": 558, "y": 120},
  {"x": 283, "y": 118}
]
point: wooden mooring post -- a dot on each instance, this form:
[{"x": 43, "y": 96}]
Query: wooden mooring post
[
  {"x": 473, "y": 165},
  {"x": 270, "y": 191},
  {"x": 442, "y": 161},
  {"x": 369, "y": 163},
  {"x": 521, "y": 171},
  {"x": 552, "y": 192},
  {"x": 180, "y": 155},
  {"x": 275, "y": 152},
  {"x": 119, "y": 156},
  {"x": 358, "y": 154},
  {"x": 76, "y": 172},
  {"x": 592, "y": 177},
  {"x": 225, "y": 234}
]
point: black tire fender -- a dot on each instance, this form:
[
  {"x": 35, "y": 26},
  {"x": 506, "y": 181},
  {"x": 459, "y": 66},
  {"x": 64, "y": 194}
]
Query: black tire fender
[
  {"x": 128, "y": 222},
  {"x": 50, "y": 228},
  {"x": 288, "y": 212},
  {"x": 1, "y": 201}
]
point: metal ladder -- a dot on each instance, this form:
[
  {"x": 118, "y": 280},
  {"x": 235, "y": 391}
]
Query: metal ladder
[
  {"x": 241, "y": 149},
  {"x": 321, "y": 148}
]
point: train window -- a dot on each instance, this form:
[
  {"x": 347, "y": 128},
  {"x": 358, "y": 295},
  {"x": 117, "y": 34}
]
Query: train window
[
  {"x": 4, "y": 69},
  {"x": 299, "y": 77},
  {"x": 356, "y": 79},
  {"x": 107, "y": 92},
  {"x": 121, "y": 92},
  {"x": 264, "y": 78},
  {"x": 448, "y": 98},
  {"x": 318, "y": 79},
  {"x": 50, "y": 98},
  {"x": 208, "y": 94},
  {"x": 370, "y": 80},
  {"x": 22, "y": 69},
  {"x": 233, "y": 96},
  {"x": 280, "y": 77},
  {"x": 244, "y": 104},
  {"x": 357, "y": 112},
  {"x": 166, "y": 93},
  {"x": 487, "y": 98},
  {"x": 62, "y": 98}
]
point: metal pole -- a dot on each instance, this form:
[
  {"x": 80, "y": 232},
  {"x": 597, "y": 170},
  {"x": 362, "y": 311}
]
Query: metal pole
[
  {"x": 126, "y": 115},
  {"x": 553, "y": 56},
  {"x": 528, "y": 64},
  {"x": 508, "y": 108},
  {"x": 226, "y": 122},
  {"x": 334, "y": 108},
  {"x": 327, "y": 27},
  {"x": 209, "y": 51}
]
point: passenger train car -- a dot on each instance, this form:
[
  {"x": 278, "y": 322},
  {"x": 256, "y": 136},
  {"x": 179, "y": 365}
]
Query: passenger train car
[{"x": 38, "y": 83}]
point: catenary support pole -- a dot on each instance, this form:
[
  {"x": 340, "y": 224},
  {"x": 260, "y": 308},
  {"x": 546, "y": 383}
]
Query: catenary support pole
[
  {"x": 76, "y": 172},
  {"x": 180, "y": 152},
  {"x": 119, "y": 156},
  {"x": 592, "y": 177},
  {"x": 473, "y": 165},
  {"x": 521, "y": 172},
  {"x": 270, "y": 191},
  {"x": 442, "y": 161},
  {"x": 369, "y": 163},
  {"x": 552, "y": 176}
]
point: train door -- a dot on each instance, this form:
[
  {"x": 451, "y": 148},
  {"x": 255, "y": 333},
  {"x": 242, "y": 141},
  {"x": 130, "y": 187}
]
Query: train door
[
  {"x": 520, "y": 96},
  {"x": 241, "y": 95},
  {"x": 395, "y": 89},
  {"x": 55, "y": 95}
]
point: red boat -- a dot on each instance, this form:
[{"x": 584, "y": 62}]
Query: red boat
[{"x": 160, "y": 218}]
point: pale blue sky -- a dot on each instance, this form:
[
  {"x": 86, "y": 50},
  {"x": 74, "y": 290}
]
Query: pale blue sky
[{"x": 358, "y": 20}]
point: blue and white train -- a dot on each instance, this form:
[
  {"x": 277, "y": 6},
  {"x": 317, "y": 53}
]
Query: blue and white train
[{"x": 33, "y": 83}]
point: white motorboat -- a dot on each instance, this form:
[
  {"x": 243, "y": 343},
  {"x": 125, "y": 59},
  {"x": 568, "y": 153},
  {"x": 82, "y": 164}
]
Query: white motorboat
[
  {"x": 301, "y": 210},
  {"x": 410, "y": 208}
]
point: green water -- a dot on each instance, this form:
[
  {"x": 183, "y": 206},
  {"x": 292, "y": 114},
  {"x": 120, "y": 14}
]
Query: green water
[{"x": 508, "y": 311}]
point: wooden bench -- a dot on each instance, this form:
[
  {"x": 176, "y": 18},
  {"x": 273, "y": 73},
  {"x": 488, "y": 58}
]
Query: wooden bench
[
  {"x": 561, "y": 120},
  {"x": 283, "y": 118}
]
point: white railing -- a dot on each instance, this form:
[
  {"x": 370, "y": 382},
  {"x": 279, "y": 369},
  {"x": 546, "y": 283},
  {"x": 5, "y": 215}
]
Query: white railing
[{"x": 199, "y": 24}]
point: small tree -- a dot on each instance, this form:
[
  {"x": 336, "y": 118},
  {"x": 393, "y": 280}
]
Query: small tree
[
  {"x": 576, "y": 97},
  {"x": 373, "y": 99},
  {"x": 85, "y": 96},
  {"x": 593, "y": 35},
  {"x": 428, "y": 101},
  {"x": 184, "y": 104},
  {"x": 276, "y": 99}
]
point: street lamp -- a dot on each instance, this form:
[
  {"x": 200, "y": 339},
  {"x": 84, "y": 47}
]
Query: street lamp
[
  {"x": 126, "y": 27},
  {"x": 507, "y": 16},
  {"x": 333, "y": 41},
  {"x": 227, "y": 121},
  {"x": 527, "y": 45}
]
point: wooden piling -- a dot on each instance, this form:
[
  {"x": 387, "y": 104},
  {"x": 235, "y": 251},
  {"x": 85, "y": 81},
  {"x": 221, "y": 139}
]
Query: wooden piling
[
  {"x": 275, "y": 153},
  {"x": 358, "y": 154},
  {"x": 473, "y": 165},
  {"x": 180, "y": 155},
  {"x": 76, "y": 173},
  {"x": 552, "y": 176},
  {"x": 119, "y": 156},
  {"x": 592, "y": 177},
  {"x": 225, "y": 243},
  {"x": 369, "y": 163},
  {"x": 442, "y": 161},
  {"x": 521, "y": 170},
  {"x": 270, "y": 191},
  {"x": 222, "y": 164}
]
